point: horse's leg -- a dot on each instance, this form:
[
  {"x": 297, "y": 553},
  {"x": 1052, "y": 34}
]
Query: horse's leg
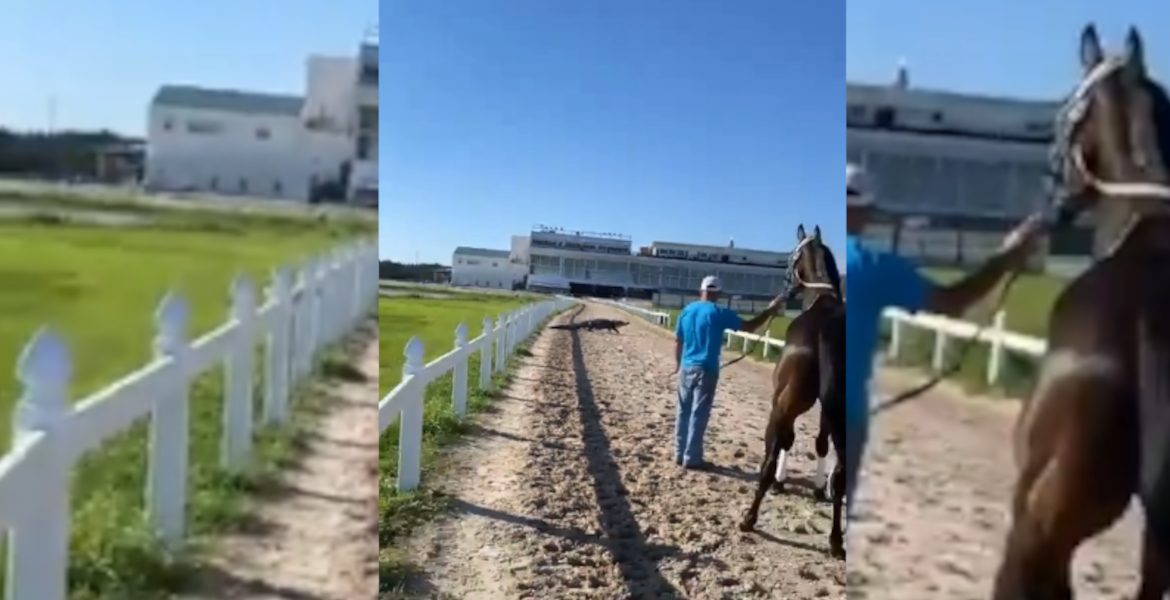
[
  {"x": 796, "y": 403},
  {"x": 1155, "y": 567},
  {"x": 767, "y": 468},
  {"x": 820, "y": 480},
  {"x": 1067, "y": 491},
  {"x": 837, "y": 535}
]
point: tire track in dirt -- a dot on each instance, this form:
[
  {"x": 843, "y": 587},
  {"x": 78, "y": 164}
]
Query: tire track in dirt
[
  {"x": 933, "y": 506},
  {"x": 569, "y": 489},
  {"x": 315, "y": 536}
]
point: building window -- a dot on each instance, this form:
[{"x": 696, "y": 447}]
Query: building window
[
  {"x": 884, "y": 117},
  {"x": 203, "y": 127},
  {"x": 495, "y": 264},
  {"x": 214, "y": 183},
  {"x": 277, "y": 188},
  {"x": 243, "y": 185},
  {"x": 263, "y": 133},
  {"x": 368, "y": 118},
  {"x": 168, "y": 124},
  {"x": 363, "y": 147}
]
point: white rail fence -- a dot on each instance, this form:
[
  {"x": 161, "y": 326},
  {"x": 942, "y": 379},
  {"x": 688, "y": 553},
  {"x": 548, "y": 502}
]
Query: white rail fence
[
  {"x": 304, "y": 309},
  {"x": 947, "y": 330},
  {"x": 497, "y": 342},
  {"x": 663, "y": 319}
]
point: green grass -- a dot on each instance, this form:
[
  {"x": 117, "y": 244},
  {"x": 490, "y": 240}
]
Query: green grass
[
  {"x": 98, "y": 287},
  {"x": 434, "y": 321},
  {"x": 1028, "y": 306}
]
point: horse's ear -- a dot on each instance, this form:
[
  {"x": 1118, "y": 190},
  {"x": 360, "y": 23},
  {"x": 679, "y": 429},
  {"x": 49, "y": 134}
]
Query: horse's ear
[
  {"x": 817, "y": 232},
  {"x": 1135, "y": 55},
  {"x": 1091, "y": 52},
  {"x": 800, "y": 233}
]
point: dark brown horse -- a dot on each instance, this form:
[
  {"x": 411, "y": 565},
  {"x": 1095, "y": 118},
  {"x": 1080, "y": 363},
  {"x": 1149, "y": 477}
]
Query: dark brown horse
[
  {"x": 812, "y": 366},
  {"x": 1096, "y": 430}
]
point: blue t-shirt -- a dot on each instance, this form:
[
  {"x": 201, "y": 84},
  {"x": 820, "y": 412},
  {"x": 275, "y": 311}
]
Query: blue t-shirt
[
  {"x": 877, "y": 280},
  {"x": 700, "y": 327}
]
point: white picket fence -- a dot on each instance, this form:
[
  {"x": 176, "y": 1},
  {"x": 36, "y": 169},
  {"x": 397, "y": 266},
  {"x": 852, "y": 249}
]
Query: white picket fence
[
  {"x": 947, "y": 330},
  {"x": 305, "y": 308},
  {"x": 405, "y": 401}
]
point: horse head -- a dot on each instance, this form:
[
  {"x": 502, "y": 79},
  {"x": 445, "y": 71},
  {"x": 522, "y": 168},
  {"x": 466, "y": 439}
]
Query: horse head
[
  {"x": 1112, "y": 137},
  {"x": 812, "y": 267}
]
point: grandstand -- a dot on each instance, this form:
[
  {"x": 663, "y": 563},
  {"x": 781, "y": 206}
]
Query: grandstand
[
  {"x": 553, "y": 259},
  {"x": 955, "y": 170}
]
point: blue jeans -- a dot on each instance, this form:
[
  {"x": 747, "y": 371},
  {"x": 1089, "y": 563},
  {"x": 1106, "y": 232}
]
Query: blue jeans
[{"x": 696, "y": 394}]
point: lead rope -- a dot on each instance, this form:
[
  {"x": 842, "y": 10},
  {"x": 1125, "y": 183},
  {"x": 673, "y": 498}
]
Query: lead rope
[{"x": 957, "y": 364}]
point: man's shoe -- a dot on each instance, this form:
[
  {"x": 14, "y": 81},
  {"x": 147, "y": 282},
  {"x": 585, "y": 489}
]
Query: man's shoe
[{"x": 699, "y": 466}]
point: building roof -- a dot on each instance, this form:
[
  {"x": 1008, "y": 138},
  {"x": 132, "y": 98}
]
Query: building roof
[
  {"x": 467, "y": 250},
  {"x": 228, "y": 100}
]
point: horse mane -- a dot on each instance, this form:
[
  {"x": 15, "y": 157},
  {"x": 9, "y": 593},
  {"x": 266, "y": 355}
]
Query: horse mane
[
  {"x": 1161, "y": 102},
  {"x": 831, "y": 267}
]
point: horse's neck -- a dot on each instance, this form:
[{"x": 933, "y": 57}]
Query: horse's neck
[{"x": 1110, "y": 222}]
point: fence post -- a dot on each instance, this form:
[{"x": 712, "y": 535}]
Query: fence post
[
  {"x": 895, "y": 338},
  {"x": 995, "y": 357},
  {"x": 501, "y": 343},
  {"x": 166, "y": 485},
  {"x": 38, "y": 552},
  {"x": 238, "y": 371},
  {"x": 940, "y": 350},
  {"x": 767, "y": 343},
  {"x": 485, "y": 355},
  {"x": 276, "y": 387},
  {"x": 459, "y": 378},
  {"x": 745, "y": 344},
  {"x": 410, "y": 436}
]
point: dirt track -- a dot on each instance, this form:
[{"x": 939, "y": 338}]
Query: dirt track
[
  {"x": 569, "y": 489},
  {"x": 932, "y": 512},
  {"x": 315, "y": 537}
]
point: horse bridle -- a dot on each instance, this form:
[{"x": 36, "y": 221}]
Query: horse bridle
[
  {"x": 791, "y": 275},
  {"x": 1065, "y": 150}
]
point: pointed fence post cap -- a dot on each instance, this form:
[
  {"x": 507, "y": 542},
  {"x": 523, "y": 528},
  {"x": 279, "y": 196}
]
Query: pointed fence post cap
[
  {"x": 487, "y": 324},
  {"x": 461, "y": 335},
  {"x": 170, "y": 320},
  {"x": 243, "y": 295},
  {"x": 413, "y": 352},
  {"x": 44, "y": 368}
]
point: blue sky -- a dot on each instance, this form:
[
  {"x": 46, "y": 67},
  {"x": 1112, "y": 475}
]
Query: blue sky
[
  {"x": 1000, "y": 47},
  {"x": 679, "y": 120},
  {"x": 103, "y": 59}
]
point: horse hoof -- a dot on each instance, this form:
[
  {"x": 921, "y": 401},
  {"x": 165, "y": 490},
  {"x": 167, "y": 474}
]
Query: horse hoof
[
  {"x": 777, "y": 487},
  {"x": 838, "y": 553},
  {"x": 747, "y": 525},
  {"x": 821, "y": 495}
]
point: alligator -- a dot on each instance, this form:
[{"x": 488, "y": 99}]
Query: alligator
[{"x": 594, "y": 324}]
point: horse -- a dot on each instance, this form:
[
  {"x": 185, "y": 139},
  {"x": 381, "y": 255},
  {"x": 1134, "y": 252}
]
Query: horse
[
  {"x": 812, "y": 365},
  {"x": 1096, "y": 429}
]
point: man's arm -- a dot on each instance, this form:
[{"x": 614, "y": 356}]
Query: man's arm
[
  {"x": 751, "y": 325},
  {"x": 677, "y": 353},
  {"x": 954, "y": 299}
]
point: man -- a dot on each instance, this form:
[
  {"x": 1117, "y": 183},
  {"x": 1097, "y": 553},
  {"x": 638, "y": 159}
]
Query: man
[
  {"x": 698, "y": 341},
  {"x": 879, "y": 280}
]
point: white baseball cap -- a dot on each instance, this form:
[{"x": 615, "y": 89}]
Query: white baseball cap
[
  {"x": 857, "y": 187},
  {"x": 710, "y": 284}
]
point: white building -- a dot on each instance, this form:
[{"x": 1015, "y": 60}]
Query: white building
[
  {"x": 602, "y": 264},
  {"x": 966, "y": 167},
  {"x": 270, "y": 145}
]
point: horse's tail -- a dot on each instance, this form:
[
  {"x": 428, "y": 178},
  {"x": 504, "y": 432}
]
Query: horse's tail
[{"x": 1154, "y": 416}]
